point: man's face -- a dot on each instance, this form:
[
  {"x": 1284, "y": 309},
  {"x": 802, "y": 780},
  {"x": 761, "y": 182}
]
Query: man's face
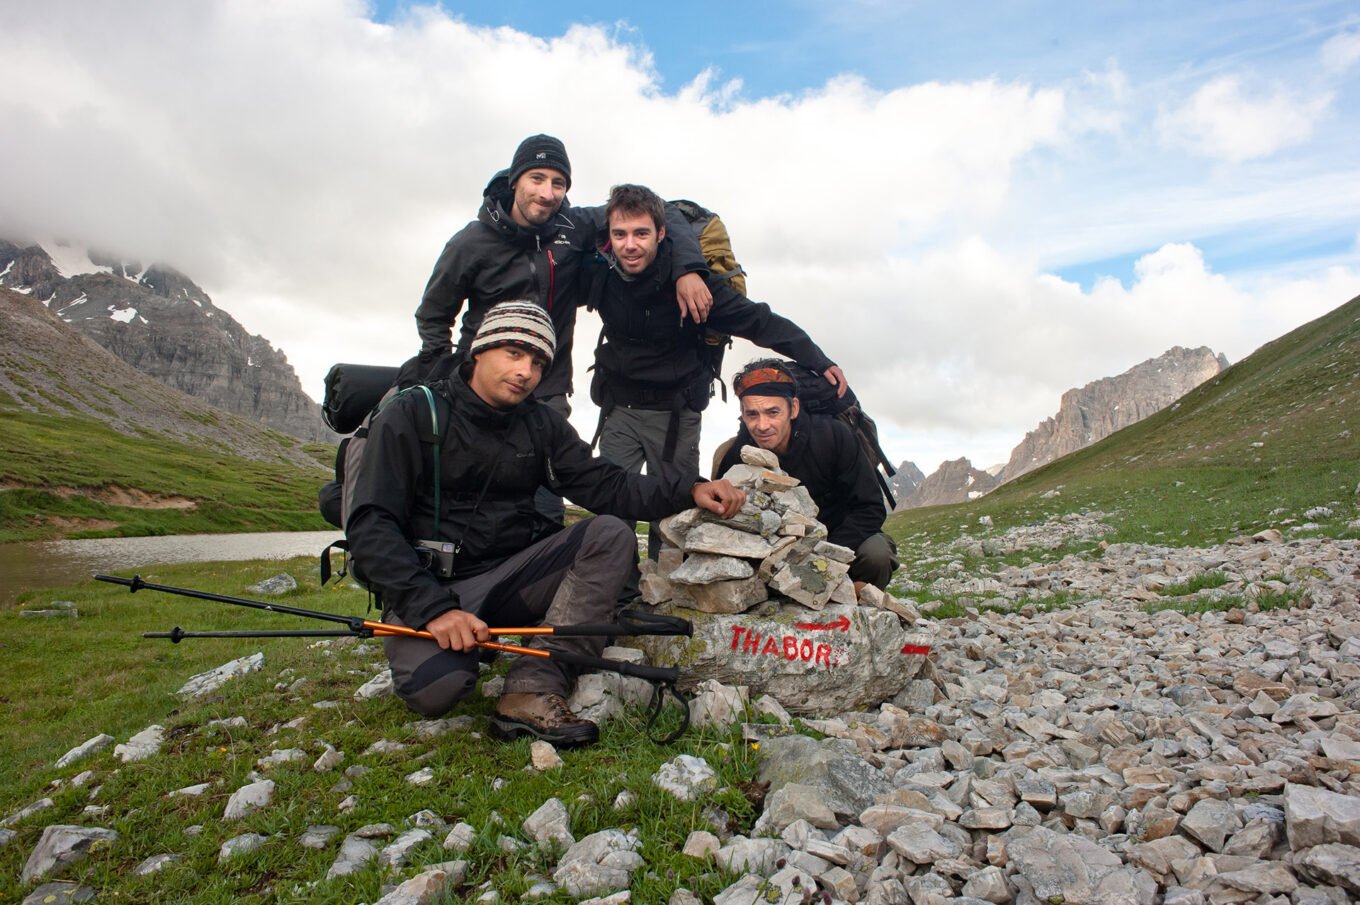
[
  {"x": 538, "y": 195},
  {"x": 504, "y": 376},
  {"x": 634, "y": 239},
  {"x": 769, "y": 419}
]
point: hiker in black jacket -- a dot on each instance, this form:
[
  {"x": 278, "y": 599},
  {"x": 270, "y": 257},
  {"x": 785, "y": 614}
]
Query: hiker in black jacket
[
  {"x": 822, "y": 453},
  {"x": 507, "y": 567},
  {"x": 527, "y": 243},
  {"x": 651, "y": 376}
]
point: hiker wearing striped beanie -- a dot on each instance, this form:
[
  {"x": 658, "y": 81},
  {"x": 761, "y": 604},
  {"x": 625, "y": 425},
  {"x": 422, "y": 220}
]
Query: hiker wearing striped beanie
[
  {"x": 443, "y": 527},
  {"x": 512, "y": 350}
]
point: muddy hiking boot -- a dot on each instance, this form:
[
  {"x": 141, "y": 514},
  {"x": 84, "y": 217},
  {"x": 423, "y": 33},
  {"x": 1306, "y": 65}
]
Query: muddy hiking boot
[{"x": 544, "y": 716}]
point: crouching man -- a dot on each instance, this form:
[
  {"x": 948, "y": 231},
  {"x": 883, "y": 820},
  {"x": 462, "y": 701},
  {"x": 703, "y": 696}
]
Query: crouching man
[
  {"x": 497, "y": 562},
  {"x": 822, "y": 453}
]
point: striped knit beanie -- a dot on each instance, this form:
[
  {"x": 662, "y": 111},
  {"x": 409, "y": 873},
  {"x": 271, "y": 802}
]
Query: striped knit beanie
[{"x": 519, "y": 323}]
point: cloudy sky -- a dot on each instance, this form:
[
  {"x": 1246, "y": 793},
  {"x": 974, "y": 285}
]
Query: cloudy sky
[{"x": 970, "y": 211}]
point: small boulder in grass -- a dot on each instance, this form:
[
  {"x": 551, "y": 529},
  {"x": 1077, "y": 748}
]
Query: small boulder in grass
[{"x": 279, "y": 584}]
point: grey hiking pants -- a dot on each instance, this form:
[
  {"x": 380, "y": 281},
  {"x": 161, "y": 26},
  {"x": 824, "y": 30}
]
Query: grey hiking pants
[
  {"x": 875, "y": 561},
  {"x": 632, "y": 437},
  {"x": 570, "y": 578}
]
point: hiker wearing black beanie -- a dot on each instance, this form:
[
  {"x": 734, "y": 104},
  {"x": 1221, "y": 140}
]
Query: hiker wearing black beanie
[{"x": 528, "y": 243}]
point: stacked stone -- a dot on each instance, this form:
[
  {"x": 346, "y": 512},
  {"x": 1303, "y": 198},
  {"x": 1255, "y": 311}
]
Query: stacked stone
[
  {"x": 772, "y": 602},
  {"x": 773, "y": 545}
]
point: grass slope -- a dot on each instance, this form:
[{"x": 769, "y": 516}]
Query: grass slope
[
  {"x": 77, "y": 477},
  {"x": 1258, "y": 446},
  {"x": 91, "y": 446},
  {"x": 70, "y": 679}
]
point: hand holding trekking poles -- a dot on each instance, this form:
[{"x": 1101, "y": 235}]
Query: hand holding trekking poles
[{"x": 458, "y": 630}]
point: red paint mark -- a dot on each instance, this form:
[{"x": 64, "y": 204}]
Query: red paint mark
[
  {"x": 920, "y": 649},
  {"x": 788, "y": 647},
  {"x": 840, "y": 625}
]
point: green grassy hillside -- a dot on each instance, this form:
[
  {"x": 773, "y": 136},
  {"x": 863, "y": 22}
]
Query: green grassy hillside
[
  {"x": 89, "y": 446},
  {"x": 76, "y": 477},
  {"x": 1267, "y": 443}
]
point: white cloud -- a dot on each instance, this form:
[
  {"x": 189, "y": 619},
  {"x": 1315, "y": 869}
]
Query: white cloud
[
  {"x": 306, "y": 165},
  {"x": 1341, "y": 52},
  {"x": 1226, "y": 120}
]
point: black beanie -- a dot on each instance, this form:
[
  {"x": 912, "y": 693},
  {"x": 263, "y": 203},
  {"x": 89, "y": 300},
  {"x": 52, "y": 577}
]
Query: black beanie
[{"x": 540, "y": 151}]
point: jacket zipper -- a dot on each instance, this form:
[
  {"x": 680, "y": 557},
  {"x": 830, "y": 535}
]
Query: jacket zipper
[{"x": 552, "y": 279}]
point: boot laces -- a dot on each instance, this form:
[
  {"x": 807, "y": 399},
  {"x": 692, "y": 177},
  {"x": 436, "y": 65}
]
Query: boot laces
[{"x": 559, "y": 713}]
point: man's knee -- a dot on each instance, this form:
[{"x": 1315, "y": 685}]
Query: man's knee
[
  {"x": 875, "y": 561},
  {"x": 441, "y": 695},
  {"x": 430, "y": 681},
  {"x": 611, "y": 532}
]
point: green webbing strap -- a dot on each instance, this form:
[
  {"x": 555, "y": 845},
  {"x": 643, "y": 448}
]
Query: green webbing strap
[{"x": 434, "y": 426}]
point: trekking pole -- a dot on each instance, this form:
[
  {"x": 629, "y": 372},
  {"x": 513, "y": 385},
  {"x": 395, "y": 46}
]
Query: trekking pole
[{"x": 631, "y": 622}]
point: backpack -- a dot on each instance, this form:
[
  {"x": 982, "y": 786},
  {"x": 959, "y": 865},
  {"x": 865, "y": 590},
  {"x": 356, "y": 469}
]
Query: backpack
[
  {"x": 714, "y": 243},
  {"x": 819, "y": 397},
  {"x": 354, "y": 396},
  {"x": 716, "y": 246}
]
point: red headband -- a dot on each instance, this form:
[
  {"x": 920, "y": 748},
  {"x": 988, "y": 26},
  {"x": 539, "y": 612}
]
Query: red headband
[{"x": 766, "y": 382}]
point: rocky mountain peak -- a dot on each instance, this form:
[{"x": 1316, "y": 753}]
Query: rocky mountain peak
[
  {"x": 1085, "y": 415},
  {"x": 1091, "y": 413},
  {"x": 953, "y": 482},
  {"x": 165, "y": 325},
  {"x": 909, "y": 476}
]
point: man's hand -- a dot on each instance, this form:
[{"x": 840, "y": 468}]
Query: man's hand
[
  {"x": 693, "y": 297},
  {"x": 836, "y": 377},
  {"x": 722, "y": 497},
  {"x": 457, "y": 630}
]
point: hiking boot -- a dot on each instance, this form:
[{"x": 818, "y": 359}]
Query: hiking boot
[{"x": 544, "y": 716}]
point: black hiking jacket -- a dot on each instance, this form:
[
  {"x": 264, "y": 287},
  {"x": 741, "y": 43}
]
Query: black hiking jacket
[
  {"x": 825, "y": 456},
  {"x": 647, "y": 348},
  {"x": 494, "y": 259},
  {"x": 499, "y": 457}
]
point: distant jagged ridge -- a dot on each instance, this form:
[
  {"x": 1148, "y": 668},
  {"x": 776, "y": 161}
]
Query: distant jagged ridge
[
  {"x": 160, "y": 322},
  {"x": 907, "y": 479},
  {"x": 955, "y": 481},
  {"x": 1085, "y": 416},
  {"x": 1102, "y": 407}
]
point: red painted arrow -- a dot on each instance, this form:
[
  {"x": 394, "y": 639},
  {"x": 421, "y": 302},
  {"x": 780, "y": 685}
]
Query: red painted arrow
[
  {"x": 842, "y": 624},
  {"x": 921, "y": 649}
]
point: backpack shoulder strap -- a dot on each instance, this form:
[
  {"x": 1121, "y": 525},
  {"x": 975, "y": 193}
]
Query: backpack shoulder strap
[
  {"x": 718, "y": 455},
  {"x": 435, "y": 438}
]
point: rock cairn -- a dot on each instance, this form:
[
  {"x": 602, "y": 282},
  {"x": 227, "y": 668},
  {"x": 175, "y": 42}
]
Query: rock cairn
[{"x": 772, "y": 604}]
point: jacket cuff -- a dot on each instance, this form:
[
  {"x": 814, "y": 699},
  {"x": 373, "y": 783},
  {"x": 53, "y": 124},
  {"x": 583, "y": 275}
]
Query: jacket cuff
[{"x": 432, "y": 604}]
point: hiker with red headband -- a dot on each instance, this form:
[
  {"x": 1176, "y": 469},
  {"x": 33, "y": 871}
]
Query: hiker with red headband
[{"x": 822, "y": 453}]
